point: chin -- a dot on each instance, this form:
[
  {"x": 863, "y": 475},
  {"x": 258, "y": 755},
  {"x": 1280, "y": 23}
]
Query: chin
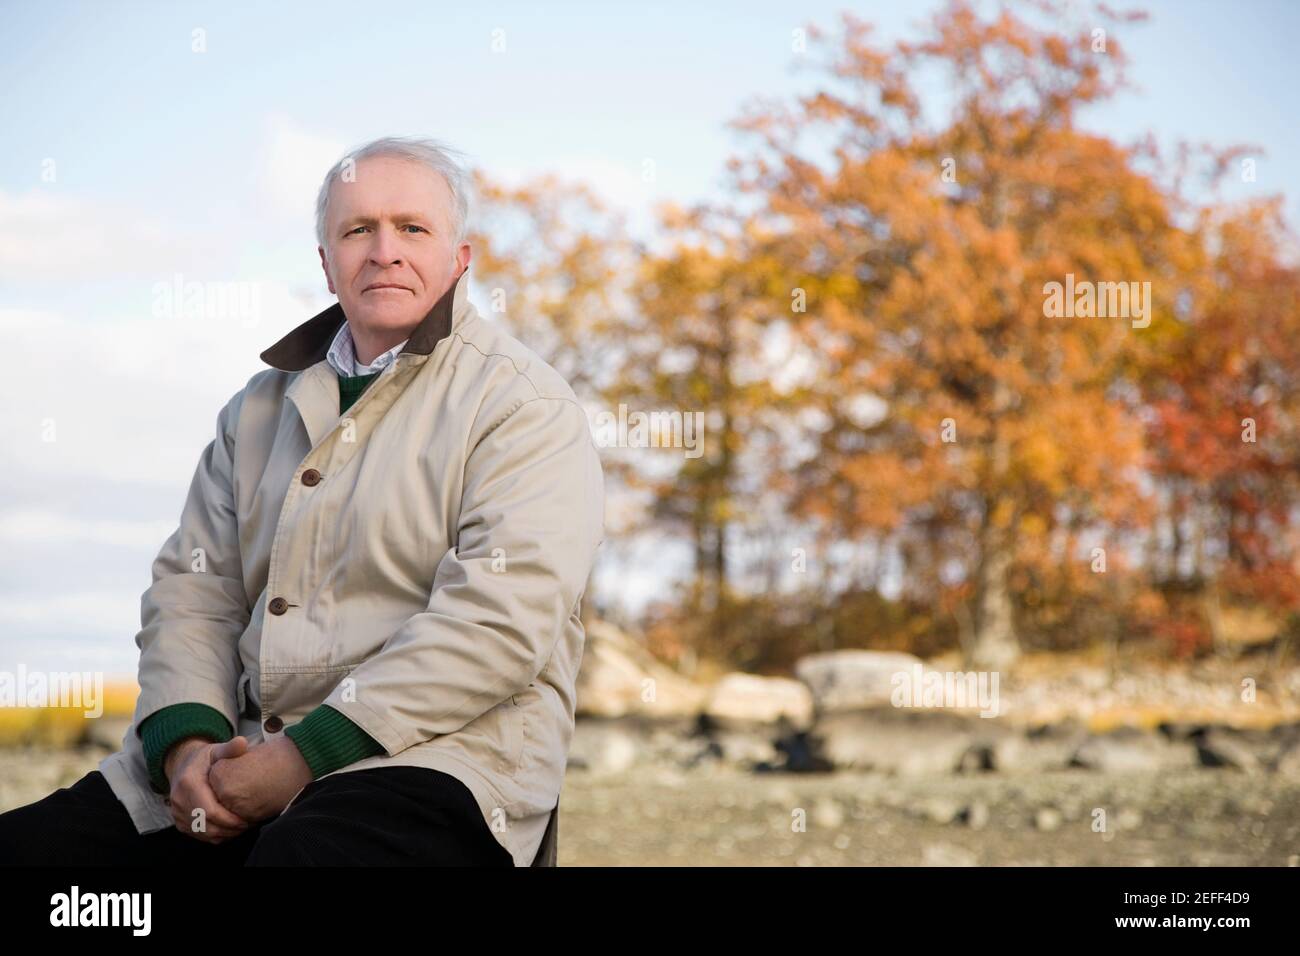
[{"x": 391, "y": 316}]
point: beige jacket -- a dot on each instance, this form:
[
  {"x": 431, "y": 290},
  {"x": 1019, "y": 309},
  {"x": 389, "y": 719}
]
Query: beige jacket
[{"x": 418, "y": 565}]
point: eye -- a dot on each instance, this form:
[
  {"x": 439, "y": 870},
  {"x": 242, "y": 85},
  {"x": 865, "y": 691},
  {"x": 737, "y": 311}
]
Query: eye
[
  {"x": 352, "y": 230},
  {"x": 411, "y": 225}
]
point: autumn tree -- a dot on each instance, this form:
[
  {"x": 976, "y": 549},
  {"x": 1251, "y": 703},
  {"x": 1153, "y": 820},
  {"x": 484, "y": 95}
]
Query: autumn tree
[
  {"x": 695, "y": 349},
  {"x": 1224, "y": 426},
  {"x": 554, "y": 262},
  {"x": 962, "y": 411}
]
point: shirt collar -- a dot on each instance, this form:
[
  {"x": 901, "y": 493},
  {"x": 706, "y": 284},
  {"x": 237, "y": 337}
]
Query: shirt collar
[
  {"x": 342, "y": 355},
  {"x": 311, "y": 341}
]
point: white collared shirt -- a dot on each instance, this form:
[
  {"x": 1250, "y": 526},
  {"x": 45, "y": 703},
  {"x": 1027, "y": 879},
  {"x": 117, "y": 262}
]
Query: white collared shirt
[{"x": 342, "y": 355}]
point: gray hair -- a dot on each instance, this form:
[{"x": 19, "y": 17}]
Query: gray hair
[{"x": 430, "y": 153}]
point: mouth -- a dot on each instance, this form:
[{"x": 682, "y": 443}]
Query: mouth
[{"x": 385, "y": 287}]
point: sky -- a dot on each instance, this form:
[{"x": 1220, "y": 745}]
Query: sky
[{"x": 139, "y": 153}]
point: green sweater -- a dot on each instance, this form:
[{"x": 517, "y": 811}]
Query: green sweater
[{"x": 326, "y": 738}]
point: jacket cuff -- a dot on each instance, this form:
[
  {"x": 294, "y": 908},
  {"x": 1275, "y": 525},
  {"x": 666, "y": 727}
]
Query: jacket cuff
[
  {"x": 172, "y": 724},
  {"x": 328, "y": 740}
]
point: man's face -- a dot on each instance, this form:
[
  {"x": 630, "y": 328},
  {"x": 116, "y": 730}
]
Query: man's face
[{"x": 389, "y": 254}]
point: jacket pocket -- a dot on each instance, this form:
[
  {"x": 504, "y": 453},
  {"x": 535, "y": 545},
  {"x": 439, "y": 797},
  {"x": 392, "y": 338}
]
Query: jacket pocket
[
  {"x": 512, "y": 720},
  {"x": 241, "y": 696}
]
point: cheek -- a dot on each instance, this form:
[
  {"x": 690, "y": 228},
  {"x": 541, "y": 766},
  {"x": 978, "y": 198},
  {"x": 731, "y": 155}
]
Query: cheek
[
  {"x": 343, "y": 260},
  {"x": 433, "y": 274}
]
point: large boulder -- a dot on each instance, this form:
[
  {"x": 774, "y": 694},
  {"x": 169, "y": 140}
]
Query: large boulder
[
  {"x": 606, "y": 747},
  {"x": 895, "y": 741},
  {"x": 619, "y": 677},
  {"x": 853, "y": 679},
  {"x": 1128, "y": 749},
  {"x": 1225, "y": 747},
  {"x": 743, "y": 699}
]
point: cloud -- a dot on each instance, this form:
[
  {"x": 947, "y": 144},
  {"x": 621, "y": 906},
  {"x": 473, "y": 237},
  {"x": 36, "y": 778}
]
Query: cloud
[
  {"x": 43, "y": 527},
  {"x": 144, "y": 398},
  {"x": 48, "y": 235},
  {"x": 619, "y": 185},
  {"x": 81, "y": 630},
  {"x": 129, "y": 331},
  {"x": 293, "y": 164}
]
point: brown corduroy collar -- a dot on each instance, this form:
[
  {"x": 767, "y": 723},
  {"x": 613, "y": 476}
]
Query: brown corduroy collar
[{"x": 309, "y": 343}]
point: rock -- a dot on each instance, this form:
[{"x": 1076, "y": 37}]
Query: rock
[
  {"x": 976, "y": 815},
  {"x": 1130, "y": 749},
  {"x": 889, "y": 740},
  {"x": 994, "y": 749},
  {"x": 1050, "y": 746},
  {"x": 745, "y": 748},
  {"x": 741, "y": 697},
  {"x": 618, "y": 676},
  {"x": 828, "y": 814},
  {"x": 1217, "y": 747},
  {"x": 801, "y": 755},
  {"x": 1180, "y": 730},
  {"x": 1286, "y": 735},
  {"x": 854, "y": 679},
  {"x": 1288, "y": 763},
  {"x": 1070, "y": 729},
  {"x": 940, "y": 810},
  {"x": 603, "y": 747},
  {"x": 1128, "y": 818},
  {"x": 689, "y": 753},
  {"x": 947, "y": 854},
  {"x": 1047, "y": 819}
]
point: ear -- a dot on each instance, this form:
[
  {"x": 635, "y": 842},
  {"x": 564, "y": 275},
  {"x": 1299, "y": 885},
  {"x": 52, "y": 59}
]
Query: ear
[{"x": 324, "y": 264}]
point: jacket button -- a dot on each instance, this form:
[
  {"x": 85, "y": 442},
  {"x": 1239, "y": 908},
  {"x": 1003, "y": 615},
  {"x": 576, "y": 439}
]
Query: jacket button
[
  {"x": 273, "y": 725},
  {"x": 278, "y": 606},
  {"x": 311, "y": 477}
]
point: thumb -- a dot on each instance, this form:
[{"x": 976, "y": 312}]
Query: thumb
[{"x": 231, "y": 748}]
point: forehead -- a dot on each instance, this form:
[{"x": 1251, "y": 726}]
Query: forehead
[{"x": 389, "y": 185}]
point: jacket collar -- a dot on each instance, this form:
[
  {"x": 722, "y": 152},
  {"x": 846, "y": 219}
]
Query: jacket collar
[{"x": 309, "y": 343}]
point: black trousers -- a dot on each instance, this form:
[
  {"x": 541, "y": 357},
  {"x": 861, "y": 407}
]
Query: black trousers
[{"x": 383, "y": 816}]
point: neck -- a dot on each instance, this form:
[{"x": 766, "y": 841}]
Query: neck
[{"x": 369, "y": 347}]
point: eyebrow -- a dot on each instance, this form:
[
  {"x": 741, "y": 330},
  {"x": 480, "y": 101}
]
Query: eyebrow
[{"x": 401, "y": 216}]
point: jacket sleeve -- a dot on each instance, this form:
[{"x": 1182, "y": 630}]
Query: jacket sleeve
[
  {"x": 195, "y": 612},
  {"x": 327, "y": 741},
  {"x": 532, "y": 516},
  {"x": 172, "y": 724}
]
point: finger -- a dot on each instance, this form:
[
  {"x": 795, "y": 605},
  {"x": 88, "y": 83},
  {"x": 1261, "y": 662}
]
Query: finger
[
  {"x": 219, "y": 813},
  {"x": 207, "y": 833},
  {"x": 235, "y": 747},
  {"x": 186, "y": 821},
  {"x": 200, "y": 794}
]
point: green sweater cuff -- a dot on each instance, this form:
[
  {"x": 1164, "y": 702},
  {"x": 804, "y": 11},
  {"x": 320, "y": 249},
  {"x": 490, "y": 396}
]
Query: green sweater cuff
[
  {"x": 328, "y": 740},
  {"x": 165, "y": 727}
]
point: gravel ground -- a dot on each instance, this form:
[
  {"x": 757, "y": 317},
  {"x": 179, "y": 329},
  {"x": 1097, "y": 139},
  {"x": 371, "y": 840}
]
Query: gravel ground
[
  {"x": 718, "y": 816},
  {"x": 1194, "y": 817}
]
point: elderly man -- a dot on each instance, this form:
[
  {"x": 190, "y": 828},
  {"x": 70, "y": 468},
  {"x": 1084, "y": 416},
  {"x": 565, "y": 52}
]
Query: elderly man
[{"x": 361, "y": 643}]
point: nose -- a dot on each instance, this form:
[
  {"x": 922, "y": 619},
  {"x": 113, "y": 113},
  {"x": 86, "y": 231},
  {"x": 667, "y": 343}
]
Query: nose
[{"x": 385, "y": 250}]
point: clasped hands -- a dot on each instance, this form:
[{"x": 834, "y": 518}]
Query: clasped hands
[{"x": 235, "y": 785}]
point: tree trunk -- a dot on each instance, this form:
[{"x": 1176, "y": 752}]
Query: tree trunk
[{"x": 995, "y": 645}]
